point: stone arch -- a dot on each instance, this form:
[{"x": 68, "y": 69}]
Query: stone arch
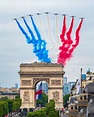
[
  {"x": 36, "y": 80},
  {"x": 31, "y": 73}
]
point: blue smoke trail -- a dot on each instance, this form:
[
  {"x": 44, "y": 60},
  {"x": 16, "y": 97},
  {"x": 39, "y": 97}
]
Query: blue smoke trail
[
  {"x": 35, "y": 28},
  {"x": 38, "y": 44},
  {"x": 27, "y": 37},
  {"x": 30, "y": 31}
]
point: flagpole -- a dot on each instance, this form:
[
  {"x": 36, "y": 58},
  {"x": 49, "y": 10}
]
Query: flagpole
[{"x": 81, "y": 80}]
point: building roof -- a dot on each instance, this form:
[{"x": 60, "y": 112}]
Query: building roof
[
  {"x": 73, "y": 99},
  {"x": 89, "y": 88},
  {"x": 9, "y": 93}
]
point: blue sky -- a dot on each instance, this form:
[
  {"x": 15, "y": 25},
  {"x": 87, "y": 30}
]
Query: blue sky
[{"x": 13, "y": 47}]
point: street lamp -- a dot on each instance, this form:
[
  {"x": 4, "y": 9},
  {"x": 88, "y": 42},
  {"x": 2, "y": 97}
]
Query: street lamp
[{"x": 81, "y": 80}]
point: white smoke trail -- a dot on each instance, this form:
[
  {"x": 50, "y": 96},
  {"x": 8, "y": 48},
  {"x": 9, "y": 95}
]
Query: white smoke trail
[
  {"x": 57, "y": 28},
  {"x": 49, "y": 28},
  {"x": 42, "y": 28}
]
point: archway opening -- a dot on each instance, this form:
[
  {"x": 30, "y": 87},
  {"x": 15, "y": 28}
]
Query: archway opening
[{"x": 41, "y": 94}]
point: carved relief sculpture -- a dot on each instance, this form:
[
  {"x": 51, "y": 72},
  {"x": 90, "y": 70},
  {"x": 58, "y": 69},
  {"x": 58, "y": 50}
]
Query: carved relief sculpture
[
  {"x": 25, "y": 82},
  {"x": 56, "y": 82},
  {"x": 55, "y": 96},
  {"x": 26, "y": 96}
]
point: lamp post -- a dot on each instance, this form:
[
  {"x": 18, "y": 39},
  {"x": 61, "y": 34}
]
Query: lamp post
[{"x": 81, "y": 80}]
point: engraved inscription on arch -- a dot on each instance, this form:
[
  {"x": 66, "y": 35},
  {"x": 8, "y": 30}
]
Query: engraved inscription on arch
[
  {"x": 25, "y": 82},
  {"x": 55, "y": 82}
]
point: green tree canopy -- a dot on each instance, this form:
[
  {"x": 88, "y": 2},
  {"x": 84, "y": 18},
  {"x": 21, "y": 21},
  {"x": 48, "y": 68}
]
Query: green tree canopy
[
  {"x": 1, "y": 110},
  {"x": 9, "y": 105},
  {"x": 3, "y": 107},
  {"x": 18, "y": 96},
  {"x": 53, "y": 113},
  {"x": 48, "y": 111},
  {"x": 3, "y": 98},
  {"x": 65, "y": 99},
  {"x": 44, "y": 100},
  {"x": 38, "y": 113}
]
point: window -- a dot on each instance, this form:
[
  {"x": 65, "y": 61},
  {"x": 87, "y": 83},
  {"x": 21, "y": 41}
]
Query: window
[
  {"x": 81, "y": 98},
  {"x": 72, "y": 108},
  {"x": 85, "y": 97},
  {"x": 90, "y": 78},
  {"x": 75, "y": 107}
]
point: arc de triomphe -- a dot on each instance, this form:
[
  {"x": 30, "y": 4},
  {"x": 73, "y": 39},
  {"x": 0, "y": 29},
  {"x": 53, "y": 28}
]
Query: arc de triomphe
[{"x": 32, "y": 73}]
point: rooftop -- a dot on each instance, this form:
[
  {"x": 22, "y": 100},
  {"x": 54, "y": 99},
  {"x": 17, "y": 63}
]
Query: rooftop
[{"x": 40, "y": 64}]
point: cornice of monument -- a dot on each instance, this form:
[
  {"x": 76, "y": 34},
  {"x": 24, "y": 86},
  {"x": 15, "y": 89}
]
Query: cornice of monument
[
  {"x": 39, "y": 73},
  {"x": 41, "y": 76},
  {"x": 40, "y": 64}
]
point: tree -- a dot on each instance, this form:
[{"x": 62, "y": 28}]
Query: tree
[
  {"x": 10, "y": 103},
  {"x": 31, "y": 114},
  {"x": 3, "y": 98},
  {"x": 44, "y": 100},
  {"x": 50, "y": 106},
  {"x": 38, "y": 113},
  {"x": 5, "y": 107},
  {"x": 53, "y": 113},
  {"x": 15, "y": 105},
  {"x": 1, "y": 109},
  {"x": 50, "y": 109},
  {"x": 17, "y": 97},
  {"x": 65, "y": 99}
]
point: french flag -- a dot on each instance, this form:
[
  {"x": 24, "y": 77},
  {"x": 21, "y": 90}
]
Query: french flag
[{"x": 38, "y": 93}]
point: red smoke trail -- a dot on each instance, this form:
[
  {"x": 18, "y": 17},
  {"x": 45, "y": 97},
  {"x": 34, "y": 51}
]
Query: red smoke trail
[
  {"x": 77, "y": 33},
  {"x": 76, "y": 39},
  {"x": 68, "y": 47},
  {"x": 62, "y": 36},
  {"x": 70, "y": 30}
]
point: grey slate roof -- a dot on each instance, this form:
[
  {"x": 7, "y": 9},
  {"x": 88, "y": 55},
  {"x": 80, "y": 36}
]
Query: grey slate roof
[{"x": 89, "y": 88}]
